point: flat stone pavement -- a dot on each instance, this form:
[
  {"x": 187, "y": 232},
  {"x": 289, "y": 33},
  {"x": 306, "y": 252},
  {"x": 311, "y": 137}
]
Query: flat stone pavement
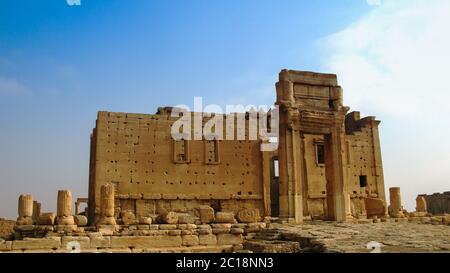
[{"x": 393, "y": 237}]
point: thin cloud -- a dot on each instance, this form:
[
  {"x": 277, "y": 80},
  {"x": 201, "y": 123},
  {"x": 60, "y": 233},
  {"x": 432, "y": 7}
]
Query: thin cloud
[
  {"x": 393, "y": 63},
  {"x": 11, "y": 86}
]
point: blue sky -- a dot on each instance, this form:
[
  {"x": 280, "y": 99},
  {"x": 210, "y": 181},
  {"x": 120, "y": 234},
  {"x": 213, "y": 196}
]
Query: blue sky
[{"x": 60, "y": 64}]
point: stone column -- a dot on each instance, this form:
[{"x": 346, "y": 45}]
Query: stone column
[
  {"x": 395, "y": 208},
  {"x": 107, "y": 205},
  {"x": 36, "y": 210},
  {"x": 64, "y": 208},
  {"x": 338, "y": 200},
  {"x": 25, "y": 210},
  {"x": 77, "y": 208},
  {"x": 421, "y": 204}
]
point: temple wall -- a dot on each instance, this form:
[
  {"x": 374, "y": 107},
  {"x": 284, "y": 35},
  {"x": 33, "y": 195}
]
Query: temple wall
[{"x": 137, "y": 154}]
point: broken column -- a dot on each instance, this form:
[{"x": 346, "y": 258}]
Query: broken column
[
  {"x": 64, "y": 208},
  {"x": 107, "y": 205},
  {"x": 25, "y": 210},
  {"x": 421, "y": 204},
  {"x": 395, "y": 208},
  {"x": 36, "y": 210}
]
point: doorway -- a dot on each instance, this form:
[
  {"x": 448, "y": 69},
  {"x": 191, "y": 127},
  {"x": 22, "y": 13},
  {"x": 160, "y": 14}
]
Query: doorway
[{"x": 274, "y": 187}]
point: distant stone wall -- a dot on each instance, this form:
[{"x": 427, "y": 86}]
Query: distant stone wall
[
  {"x": 6, "y": 227},
  {"x": 438, "y": 203}
]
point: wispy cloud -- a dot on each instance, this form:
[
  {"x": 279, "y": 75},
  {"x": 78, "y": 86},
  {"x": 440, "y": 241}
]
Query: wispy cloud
[
  {"x": 393, "y": 62},
  {"x": 11, "y": 86}
]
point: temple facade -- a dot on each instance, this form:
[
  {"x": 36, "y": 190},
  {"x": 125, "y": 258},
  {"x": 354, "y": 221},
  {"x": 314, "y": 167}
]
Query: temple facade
[{"x": 327, "y": 166}]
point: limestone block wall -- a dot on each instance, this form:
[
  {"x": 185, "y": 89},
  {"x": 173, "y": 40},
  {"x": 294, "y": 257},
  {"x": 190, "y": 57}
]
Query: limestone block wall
[
  {"x": 315, "y": 203},
  {"x": 361, "y": 159},
  {"x": 217, "y": 237},
  {"x": 364, "y": 170},
  {"x": 153, "y": 173}
]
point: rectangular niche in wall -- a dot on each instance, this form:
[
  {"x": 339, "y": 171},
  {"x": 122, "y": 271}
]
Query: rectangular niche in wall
[
  {"x": 212, "y": 152},
  {"x": 181, "y": 151},
  {"x": 320, "y": 153},
  {"x": 363, "y": 181}
]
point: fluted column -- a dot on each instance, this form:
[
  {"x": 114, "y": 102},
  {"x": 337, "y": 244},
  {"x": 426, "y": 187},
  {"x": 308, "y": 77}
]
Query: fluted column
[{"x": 25, "y": 210}]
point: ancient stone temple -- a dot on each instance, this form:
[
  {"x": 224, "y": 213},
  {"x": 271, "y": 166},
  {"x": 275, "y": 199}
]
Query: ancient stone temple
[
  {"x": 327, "y": 166},
  {"x": 153, "y": 191}
]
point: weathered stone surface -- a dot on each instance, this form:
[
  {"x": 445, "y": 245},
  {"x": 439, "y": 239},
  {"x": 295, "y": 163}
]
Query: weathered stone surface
[
  {"x": 36, "y": 210},
  {"x": 46, "y": 219},
  {"x": 169, "y": 217},
  {"x": 100, "y": 242},
  {"x": 167, "y": 226},
  {"x": 145, "y": 242},
  {"x": 128, "y": 218},
  {"x": 104, "y": 220},
  {"x": 83, "y": 241},
  {"x": 25, "y": 205},
  {"x": 191, "y": 226},
  {"x": 206, "y": 214},
  {"x": 25, "y": 209},
  {"x": 229, "y": 239},
  {"x": 175, "y": 232},
  {"x": 64, "y": 206},
  {"x": 438, "y": 203},
  {"x": 190, "y": 240},
  {"x": 5, "y": 245},
  {"x": 248, "y": 215},
  {"x": 143, "y": 227},
  {"x": 395, "y": 207},
  {"x": 421, "y": 204},
  {"x": 120, "y": 250},
  {"x": 255, "y": 227},
  {"x": 204, "y": 231},
  {"x": 65, "y": 220},
  {"x": 107, "y": 200},
  {"x": 272, "y": 246},
  {"x": 447, "y": 219},
  {"x": 207, "y": 239},
  {"x": 107, "y": 230},
  {"x": 403, "y": 237},
  {"x": 145, "y": 220},
  {"x": 25, "y": 228},
  {"x": 37, "y": 243},
  {"x": 66, "y": 228},
  {"x": 185, "y": 218},
  {"x": 186, "y": 232},
  {"x": 38, "y": 251},
  {"x": 80, "y": 220},
  {"x": 237, "y": 231},
  {"x": 222, "y": 225},
  {"x": 225, "y": 217}
]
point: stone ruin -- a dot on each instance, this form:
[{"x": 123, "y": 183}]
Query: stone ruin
[
  {"x": 151, "y": 193},
  {"x": 437, "y": 203},
  {"x": 327, "y": 166}
]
